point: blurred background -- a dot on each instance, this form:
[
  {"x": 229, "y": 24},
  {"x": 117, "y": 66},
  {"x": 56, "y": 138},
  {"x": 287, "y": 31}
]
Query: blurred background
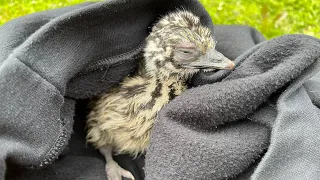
[{"x": 271, "y": 17}]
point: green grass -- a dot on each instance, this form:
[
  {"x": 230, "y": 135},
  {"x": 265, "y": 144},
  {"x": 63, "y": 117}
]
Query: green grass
[{"x": 271, "y": 17}]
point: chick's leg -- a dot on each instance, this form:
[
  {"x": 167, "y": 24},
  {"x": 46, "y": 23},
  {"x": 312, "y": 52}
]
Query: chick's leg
[{"x": 113, "y": 170}]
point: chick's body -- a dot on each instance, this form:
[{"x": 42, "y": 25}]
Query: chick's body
[{"x": 124, "y": 117}]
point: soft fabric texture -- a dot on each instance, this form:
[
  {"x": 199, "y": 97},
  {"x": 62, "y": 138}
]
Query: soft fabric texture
[{"x": 260, "y": 121}]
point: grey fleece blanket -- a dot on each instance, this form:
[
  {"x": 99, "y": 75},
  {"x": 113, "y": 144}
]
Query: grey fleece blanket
[{"x": 260, "y": 121}]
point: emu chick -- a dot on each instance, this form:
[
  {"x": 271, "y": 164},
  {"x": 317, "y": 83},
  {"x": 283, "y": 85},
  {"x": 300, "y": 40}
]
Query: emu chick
[{"x": 122, "y": 119}]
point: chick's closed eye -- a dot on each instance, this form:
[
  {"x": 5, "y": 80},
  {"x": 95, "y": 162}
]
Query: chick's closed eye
[{"x": 185, "y": 54}]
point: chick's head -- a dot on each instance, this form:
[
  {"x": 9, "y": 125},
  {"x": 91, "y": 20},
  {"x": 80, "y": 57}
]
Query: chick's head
[{"x": 179, "y": 45}]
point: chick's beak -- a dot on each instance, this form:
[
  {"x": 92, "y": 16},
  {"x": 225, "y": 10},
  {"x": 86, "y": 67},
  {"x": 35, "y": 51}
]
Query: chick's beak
[{"x": 213, "y": 60}]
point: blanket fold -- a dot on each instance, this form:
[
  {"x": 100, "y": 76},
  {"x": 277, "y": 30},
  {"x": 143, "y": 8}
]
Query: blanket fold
[{"x": 53, "y": 62}]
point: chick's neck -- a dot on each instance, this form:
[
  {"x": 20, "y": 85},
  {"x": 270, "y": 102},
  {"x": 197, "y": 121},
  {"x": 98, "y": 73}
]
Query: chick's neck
[{"x": 164, "y": 88}]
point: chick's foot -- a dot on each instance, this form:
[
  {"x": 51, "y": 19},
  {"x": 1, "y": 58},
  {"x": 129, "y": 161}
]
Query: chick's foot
[{"x": 115, "y": 172}]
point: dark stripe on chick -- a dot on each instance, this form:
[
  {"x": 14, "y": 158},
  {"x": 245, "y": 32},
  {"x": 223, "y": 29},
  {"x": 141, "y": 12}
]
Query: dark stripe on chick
[
  {"x": 154, "y": 95},
  {"x": 175, "y": 64},
  {"x": 157, "y": 91},
  {"x": 172, "y": 92}
]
